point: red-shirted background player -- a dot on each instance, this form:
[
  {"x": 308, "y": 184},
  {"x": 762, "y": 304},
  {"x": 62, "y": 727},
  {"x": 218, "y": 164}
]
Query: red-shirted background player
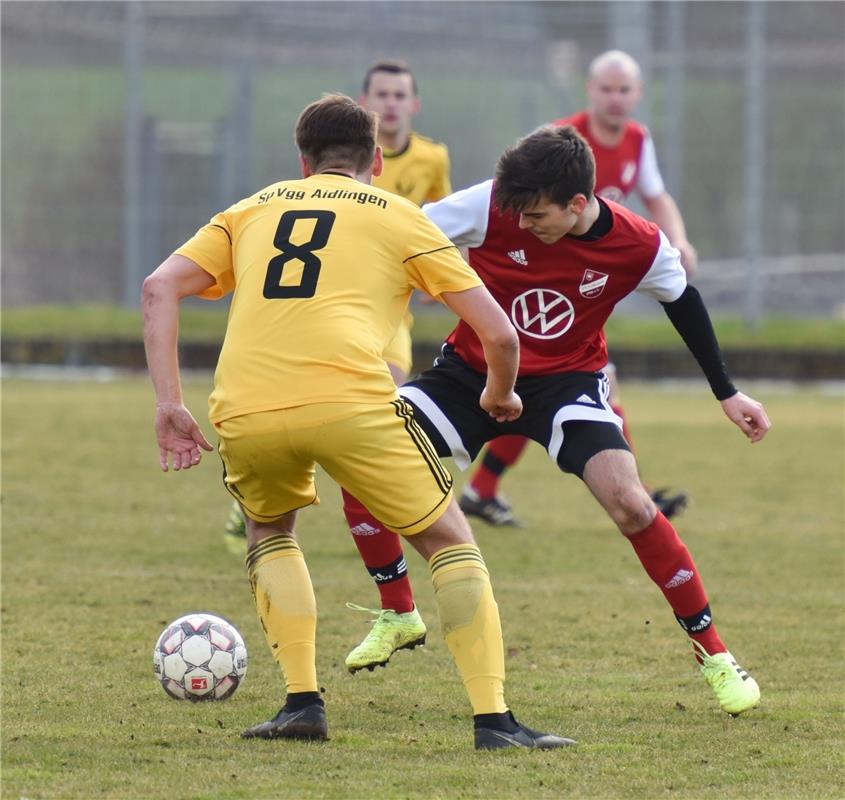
[{"x": 626, "y": 162}]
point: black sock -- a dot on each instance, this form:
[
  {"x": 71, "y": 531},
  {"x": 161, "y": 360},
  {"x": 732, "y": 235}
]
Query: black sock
[
  {"x": 493, "y": 464},
  {"x": 296, "y": 701},
  {"x": 499, "y": 722}
]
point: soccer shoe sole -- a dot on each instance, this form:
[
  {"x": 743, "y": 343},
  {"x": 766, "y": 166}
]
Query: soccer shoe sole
[{"x": 373, "y": 664}]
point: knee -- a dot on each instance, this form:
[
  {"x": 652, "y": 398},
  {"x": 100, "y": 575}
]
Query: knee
[
  {"x": 631, "y": 509},
  {"x": 449, "y": 530},
  {"x": 258, "y": 531}
]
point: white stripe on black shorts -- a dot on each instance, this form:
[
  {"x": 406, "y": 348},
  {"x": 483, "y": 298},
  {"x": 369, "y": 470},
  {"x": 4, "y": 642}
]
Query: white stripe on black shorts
[{"x": 567, "y": 413}]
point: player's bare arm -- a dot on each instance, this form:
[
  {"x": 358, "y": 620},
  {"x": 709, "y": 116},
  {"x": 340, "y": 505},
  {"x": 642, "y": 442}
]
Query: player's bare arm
[
  {"x": 665, "y": 212},
  {"x": 483, "y": 314},
  {"x": 178, "y": 434}
]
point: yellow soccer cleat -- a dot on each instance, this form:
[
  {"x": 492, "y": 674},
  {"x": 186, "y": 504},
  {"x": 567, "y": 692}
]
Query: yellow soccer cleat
[
  {"x": 390, "y": 632},
  {"x": 734, "y": 688}
]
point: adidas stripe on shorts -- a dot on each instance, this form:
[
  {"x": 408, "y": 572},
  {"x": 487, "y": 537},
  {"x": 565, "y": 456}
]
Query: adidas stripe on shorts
[{"x": 568, "y": 413}]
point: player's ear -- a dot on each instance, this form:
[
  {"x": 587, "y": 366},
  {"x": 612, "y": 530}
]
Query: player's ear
[
  {"x": 378, "y": 161},
  {"x": 416, "y": 106},
  {"x": 578, "y": 203},
  {"x": 303, "y": 166}
]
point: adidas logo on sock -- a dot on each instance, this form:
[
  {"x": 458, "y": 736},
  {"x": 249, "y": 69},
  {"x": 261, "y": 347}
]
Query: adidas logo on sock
[
  {"x": 702, "y": 625},
  {"x": 681, "y": 576},
  {"x": 585, "y": 398},
  {"x": 519, "y": 257},
  {"x": 364, "y": 529}
]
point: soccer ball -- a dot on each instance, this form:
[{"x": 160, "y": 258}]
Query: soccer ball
[{"x": 200, "y": 657}]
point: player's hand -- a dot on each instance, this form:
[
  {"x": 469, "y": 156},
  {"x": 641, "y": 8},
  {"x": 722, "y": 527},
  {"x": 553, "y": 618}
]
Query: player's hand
[
  {"x": 748, "y": 415},
  {"x": 503, "y": 409},
  {"x": 178, "y": 436}
]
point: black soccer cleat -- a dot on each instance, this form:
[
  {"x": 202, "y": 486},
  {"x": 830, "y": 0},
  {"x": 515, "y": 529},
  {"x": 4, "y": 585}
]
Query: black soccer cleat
[
  {"x": 308, "y": 723},
  {"x": 496, "y": 739},
  {"x": 493, "y": 510},
  {"x": 671, "y": 505}
]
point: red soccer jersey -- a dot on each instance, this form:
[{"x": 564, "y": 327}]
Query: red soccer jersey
[
  {"x": 617, "y": 168},
  {"x": 558, "y": 296}
]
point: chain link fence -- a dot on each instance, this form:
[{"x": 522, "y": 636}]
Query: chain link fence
[{"x": 127, "y": 124}]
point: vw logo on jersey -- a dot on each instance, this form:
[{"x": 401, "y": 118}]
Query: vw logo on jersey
[{"x": 542, "y": 313}]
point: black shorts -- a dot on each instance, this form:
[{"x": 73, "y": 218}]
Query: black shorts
[{"x": 569, "y": 413}]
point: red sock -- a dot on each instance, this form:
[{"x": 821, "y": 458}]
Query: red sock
[
  {"x": 501, "y": 453},
  {"x": 669, "y": 564},
  {"x": 381, "y": 552},
  {"x": 626, "y": 431}
]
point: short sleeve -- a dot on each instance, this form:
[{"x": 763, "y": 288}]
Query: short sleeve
[
  {"x": 433, "y": 263},
  {"x": 666, "y": 279},
  {"x": 649, "y": 180},
  {"x": 211, "y": 249},
  {"x": 463, "y": 216}
]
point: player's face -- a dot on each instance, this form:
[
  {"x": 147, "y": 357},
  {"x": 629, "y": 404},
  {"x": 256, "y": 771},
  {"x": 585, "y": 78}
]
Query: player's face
[
  {"x": 613, "y": 94},
  {"x": 392, "y": 98},
  {"x": 549, "y": 221}
]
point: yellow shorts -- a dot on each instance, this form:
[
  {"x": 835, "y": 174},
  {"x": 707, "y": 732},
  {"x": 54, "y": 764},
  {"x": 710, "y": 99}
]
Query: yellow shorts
[
  {"x": 378, "y": 453},
  {"x": 398, "y": 352}
]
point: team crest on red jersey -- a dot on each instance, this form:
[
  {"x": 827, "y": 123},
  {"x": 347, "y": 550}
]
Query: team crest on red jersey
[{"x": 592, "y": 284}]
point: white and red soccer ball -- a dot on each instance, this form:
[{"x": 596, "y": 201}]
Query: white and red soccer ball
[{"x": 200, "y": 657}]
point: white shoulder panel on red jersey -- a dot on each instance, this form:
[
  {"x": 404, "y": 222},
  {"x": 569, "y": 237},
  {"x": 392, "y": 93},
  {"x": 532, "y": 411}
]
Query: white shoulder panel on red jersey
[
  {"x": 649, "y": 180},
  {"x": 666, "y": 279},
  {"x": 463, "y": 216}
]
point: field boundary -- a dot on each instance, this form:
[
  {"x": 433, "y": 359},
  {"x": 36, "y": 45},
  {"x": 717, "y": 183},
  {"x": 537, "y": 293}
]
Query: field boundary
[{"x": 803, "y": 364}]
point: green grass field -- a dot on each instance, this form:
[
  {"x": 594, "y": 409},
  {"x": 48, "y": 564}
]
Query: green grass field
[{"x": 100, "y": 550}]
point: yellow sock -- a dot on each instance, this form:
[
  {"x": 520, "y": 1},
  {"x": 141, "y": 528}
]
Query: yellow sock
[
  {"x": 284, "y": 598},
  {"x": 469, "y": 617}
]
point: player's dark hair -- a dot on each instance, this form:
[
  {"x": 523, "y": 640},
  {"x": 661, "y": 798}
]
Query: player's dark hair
[
  {"x": 335, "y": 131},
  {"x": 393, "y": 67},
  {"x": 551, "y": 164}
]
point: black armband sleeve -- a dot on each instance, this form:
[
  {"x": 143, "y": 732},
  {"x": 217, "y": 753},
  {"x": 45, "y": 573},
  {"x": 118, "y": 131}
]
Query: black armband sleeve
[{"x": 690, "y": 318}]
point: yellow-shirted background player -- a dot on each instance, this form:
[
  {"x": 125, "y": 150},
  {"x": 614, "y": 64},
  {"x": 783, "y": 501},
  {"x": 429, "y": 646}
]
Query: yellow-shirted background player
[{"x": 415, "y": 167}]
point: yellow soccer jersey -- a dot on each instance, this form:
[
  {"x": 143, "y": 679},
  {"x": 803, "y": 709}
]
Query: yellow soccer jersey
[
  {"x": 420, "y": 172},
  {"x": 322, "y": 269}
]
